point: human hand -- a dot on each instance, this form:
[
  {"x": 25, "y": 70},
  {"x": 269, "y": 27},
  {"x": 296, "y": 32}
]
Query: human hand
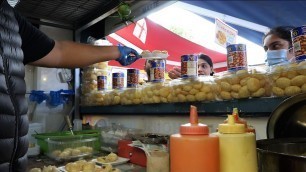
[
  {"x": 127, "y": 55},
  {"x": 175, "y": 73}
]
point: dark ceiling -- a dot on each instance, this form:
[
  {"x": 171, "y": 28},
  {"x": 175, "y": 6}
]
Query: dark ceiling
[{"x": 70, "y": 14}]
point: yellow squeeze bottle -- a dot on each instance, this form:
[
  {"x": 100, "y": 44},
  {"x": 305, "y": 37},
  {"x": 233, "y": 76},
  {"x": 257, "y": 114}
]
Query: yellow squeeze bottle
[{"x": 237, "y": 148}]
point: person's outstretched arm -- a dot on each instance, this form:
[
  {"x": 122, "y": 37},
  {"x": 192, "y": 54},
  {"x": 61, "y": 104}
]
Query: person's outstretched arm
[
  {"x": 70, "y": 54},
  {"x": 67, "y": 54}
]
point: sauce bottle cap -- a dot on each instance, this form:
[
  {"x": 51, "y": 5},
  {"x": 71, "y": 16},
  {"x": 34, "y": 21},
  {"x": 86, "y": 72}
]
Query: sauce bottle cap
[
  {"x": 194, "y": 127},
  {"x": 231, "y": 126}
]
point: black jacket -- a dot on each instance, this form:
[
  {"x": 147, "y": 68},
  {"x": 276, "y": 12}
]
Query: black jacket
[{"x": 13, "y": 105}]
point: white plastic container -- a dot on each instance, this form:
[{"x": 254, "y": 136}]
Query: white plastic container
[{"x": 34, "y": 128}]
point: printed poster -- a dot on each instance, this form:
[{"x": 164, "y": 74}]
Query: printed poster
[{"x": 225, "y": 34}]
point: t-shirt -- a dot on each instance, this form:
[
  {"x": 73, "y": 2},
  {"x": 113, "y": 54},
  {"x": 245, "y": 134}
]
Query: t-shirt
[{"x": 35, "y": 44}]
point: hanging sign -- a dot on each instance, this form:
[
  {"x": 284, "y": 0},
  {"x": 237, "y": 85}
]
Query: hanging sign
[{"x": 224, "y": 34}]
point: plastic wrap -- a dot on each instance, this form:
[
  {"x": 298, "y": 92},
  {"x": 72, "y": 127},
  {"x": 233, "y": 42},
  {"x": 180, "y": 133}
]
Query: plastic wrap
[
  {"x": 156, "y": 93},
  {"x": 190, "y": 90},
  {"x": 242, "y": 84},
  {"x": 288, "y": 80}
]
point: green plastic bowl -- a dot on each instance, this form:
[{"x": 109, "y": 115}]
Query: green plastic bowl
[{"x": 41, "y": 138}]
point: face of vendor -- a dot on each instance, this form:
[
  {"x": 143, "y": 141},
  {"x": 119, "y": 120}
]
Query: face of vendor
[
  {"x": 203, "y": 67},
  {"x": 273, "y": 42}
]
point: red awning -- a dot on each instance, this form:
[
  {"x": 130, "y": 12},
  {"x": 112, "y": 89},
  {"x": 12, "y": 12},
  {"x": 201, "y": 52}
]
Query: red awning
[{"x": 160, "y": 38}]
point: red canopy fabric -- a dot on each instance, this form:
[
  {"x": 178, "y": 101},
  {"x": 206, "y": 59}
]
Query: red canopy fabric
[{"x": 160, "y": 38}]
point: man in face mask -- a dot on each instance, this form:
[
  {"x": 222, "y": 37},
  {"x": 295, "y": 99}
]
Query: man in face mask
[{"x": 278, "y": 45}]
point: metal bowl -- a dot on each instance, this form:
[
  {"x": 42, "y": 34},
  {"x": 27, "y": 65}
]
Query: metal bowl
[{"x": 288, "y": 120}]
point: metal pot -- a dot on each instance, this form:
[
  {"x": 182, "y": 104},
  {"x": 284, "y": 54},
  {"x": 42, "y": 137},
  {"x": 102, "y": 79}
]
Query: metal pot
[{"x": 282, "y": 155}]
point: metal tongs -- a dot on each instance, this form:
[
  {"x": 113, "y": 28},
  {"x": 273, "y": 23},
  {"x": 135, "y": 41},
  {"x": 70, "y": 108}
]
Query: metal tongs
[{"x": 69, "y": 124}]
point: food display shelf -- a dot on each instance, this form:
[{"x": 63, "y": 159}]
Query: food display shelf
[{"x": 248, "y": 107}]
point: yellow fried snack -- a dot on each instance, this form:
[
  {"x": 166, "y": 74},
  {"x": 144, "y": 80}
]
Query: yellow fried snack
[
  {"x": 190, "y": 98},
  {"x": 197, "y": 85},
  {"x": 291, "y": 74},
  {"x": 303, "y": 88},
  {"x": 302, "y": 68},
  {"x": 235, "y": 95},
  {"x": 210, "y": 96},
  {"x": 298, "y": 80},
  {"x": 259, "y": 93},
  {"x": 80, "y": 163},
  {"x": 35, "y": 170},
  {"x": 244, "y": 81},
  {"x": 225, "y": 95},
  {"x": 242, "y": 73},
  {"x": 207, "y": 88},
  {"x": 49, "y": 168},
  {"x": 283, "y": 82},
  {"x": 89, "y": 166},
  {"x": 102, "y": 159},
  {"x": 225, "y": 86},
  {"x": 193, "y": 91},
  {"x": 200, "y": 96},
  {"x": 64, "y": 154},
  {"x": 75, "y": 152},
  {"x": 278, "y": 91},
  {"x": 235, "y": 87},
  {"x": 292, "y": 90},
  {"x": 71, "y": 167},
  {"x": 181, "y": 98},
  {"x": 56, "y": 153},
  {"x": 234, "y": 80},
  {"x": 253, "y": 84},
  {"x": 106, "y": 168},
  {"x": 244, "y": 92},
  {"x": 112, "y": 157}
]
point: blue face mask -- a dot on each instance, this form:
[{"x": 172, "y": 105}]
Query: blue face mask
[{"x": 275, "y": 57}]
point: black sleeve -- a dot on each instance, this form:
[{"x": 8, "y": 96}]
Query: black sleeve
[{"x": 35, "y": 44}]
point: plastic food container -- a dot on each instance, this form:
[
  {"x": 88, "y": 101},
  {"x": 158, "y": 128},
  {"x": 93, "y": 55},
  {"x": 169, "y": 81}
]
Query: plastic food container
[
  {"x": 101, "y": 83},
  {"x": 298, "y": 36},
  {"x": 189, "y": 66},
  {"x": 242, "y": 84},
  {"x": 65, "y": 149},
  {"x": 41, "y": 138},
  {"x": 236, "y": 57},
  {"x": 132, "y": 78},
  {"x": 157, "y": 70},
  {"x": 118, "y": 80},
  {"x": 190, "y": 90},
  {"x": 288, "y": 80},
  {"x": 156, "y": 93}
]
